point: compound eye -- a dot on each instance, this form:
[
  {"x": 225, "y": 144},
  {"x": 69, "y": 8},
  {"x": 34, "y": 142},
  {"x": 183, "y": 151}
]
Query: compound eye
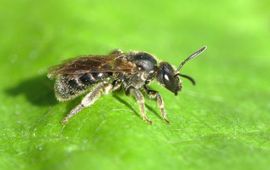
[
  {"x": 171, "y": 82},
  {"x": 166, "y": 78}
]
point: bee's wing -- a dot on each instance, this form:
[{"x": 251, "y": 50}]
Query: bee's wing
[{"x": 92, "y": 64}]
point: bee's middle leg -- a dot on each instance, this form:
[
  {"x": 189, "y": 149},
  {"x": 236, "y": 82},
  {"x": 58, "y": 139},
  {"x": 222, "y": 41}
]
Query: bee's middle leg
[
  {"x": 140, "y": 100},
  {"x": 155, "y": 95},
  {"x": 89, "y": 99}
]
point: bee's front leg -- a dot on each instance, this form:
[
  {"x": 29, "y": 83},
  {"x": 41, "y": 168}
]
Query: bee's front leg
[
  {"x": 89, "y": 99},
  {"x": 155, "y": 95},
  {"x": 140, "y": 100}
]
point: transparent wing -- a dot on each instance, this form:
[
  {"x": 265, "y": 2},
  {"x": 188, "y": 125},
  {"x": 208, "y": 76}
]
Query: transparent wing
[{"x": 92, "y": 64}]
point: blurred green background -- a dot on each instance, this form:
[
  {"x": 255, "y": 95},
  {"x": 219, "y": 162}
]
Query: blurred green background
[{"x": 222, "y": 123}]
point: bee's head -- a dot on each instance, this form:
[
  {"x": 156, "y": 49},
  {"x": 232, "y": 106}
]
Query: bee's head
[
  {"x": 170, "y": 77},
  {"x": 167, "y": 77}
]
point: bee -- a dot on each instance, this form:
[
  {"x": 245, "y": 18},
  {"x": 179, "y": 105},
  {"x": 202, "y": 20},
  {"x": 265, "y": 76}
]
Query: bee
[{"x": 132, "y": 72}]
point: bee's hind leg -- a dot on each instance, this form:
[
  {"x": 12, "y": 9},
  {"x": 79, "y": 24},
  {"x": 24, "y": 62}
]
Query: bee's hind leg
[
  {"x": 155, "y": 95},
  {"x": 89, "y": 99},
  {"x": 140, "y": 100}
]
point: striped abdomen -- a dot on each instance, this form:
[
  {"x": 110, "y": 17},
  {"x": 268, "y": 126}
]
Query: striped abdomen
[{"x": 67, "y": 86}]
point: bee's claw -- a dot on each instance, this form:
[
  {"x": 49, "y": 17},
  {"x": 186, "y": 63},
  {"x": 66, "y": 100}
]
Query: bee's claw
[
  {"x": 64, "y": 121},
  {"x": 147, "y": 120}
]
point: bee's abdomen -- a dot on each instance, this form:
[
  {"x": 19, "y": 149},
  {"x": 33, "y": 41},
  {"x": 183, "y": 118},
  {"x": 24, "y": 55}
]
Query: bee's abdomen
[
  {"x": 67, "y": 87},
  {"x": 87, "y": 79}
]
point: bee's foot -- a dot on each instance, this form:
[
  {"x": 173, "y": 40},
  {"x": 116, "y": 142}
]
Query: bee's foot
[
  {"x": 147, "y": 120},
  {"x": 64, "y": 121}
]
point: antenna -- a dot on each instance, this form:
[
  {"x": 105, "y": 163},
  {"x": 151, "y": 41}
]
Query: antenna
[{"x": 194, "y": 55}]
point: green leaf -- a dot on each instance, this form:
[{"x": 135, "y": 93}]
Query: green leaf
[{"x": 221, "y": 123}]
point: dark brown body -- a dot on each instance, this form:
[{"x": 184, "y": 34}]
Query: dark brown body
[
  {"x": 100, "y": 74},
  {"x": 77, "y": 76}
]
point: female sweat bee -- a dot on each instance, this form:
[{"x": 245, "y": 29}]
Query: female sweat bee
[{"x": 131, "y": 71}]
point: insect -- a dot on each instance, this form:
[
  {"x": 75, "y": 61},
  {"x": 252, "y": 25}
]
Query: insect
[{"x": 132, "y": 71}]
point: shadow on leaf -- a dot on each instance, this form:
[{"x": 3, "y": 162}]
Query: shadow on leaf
[
  {"x": 153, "y": 111},
  {"x": 37, "y": 90},
  {"x": 116, "y": 96}
]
